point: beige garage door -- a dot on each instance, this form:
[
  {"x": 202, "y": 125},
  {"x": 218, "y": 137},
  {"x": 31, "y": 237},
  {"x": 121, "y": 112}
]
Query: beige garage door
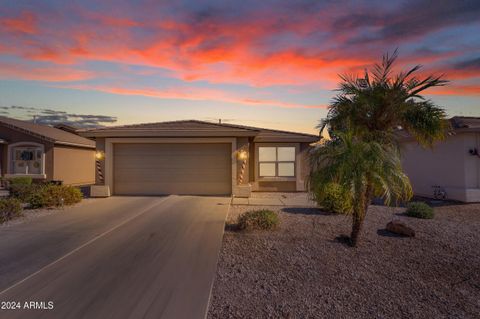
[{"x": 155, "y": 169}]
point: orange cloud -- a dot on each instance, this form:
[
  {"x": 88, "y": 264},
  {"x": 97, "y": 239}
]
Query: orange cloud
[
  {"x": 49, "y": 74},
  {"x": 193, "y": 94},
  {"x": 456, "y": 90},
  {"x": 25, "y": 23}
]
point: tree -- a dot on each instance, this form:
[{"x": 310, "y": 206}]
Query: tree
[
  {"x": 364, "y": 168},
  {"x": 365, "y": 120},
  {"x": 379, "y": 104}
]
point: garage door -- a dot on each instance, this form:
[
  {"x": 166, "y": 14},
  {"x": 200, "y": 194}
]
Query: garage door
[{"x": 155, "y": 169}]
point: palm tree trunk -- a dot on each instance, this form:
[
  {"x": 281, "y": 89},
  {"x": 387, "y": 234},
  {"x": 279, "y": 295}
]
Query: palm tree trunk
[
  {"x": 359, "y": 213},
  {"x": 357, "y": 223}
]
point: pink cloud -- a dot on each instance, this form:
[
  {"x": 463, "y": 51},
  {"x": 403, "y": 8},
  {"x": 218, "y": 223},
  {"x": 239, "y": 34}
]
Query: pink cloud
[
  {"x": 26, "y": 22},
  {"x": 48, "y": 74},
  {"x": 190, "y": 93}
]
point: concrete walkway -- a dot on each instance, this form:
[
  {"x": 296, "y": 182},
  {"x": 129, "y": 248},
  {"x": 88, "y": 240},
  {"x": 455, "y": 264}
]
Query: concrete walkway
[
  {"x": 157, "y": 260},
  {"x": 275, "y": 199}
]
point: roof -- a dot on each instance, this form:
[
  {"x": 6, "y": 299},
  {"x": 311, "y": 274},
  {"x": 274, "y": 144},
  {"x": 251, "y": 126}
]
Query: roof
[
  {"x": 465, "y": 123},
  {"x": 66, "y": 127},
  {"x": 48, "y": 133},
  {"x": 195, "y": 128}
]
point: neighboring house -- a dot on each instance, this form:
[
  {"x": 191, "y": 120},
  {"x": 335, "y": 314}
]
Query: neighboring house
[
  {"x": 452, "y": 165},
  {"x": 45, "y": 153},
  {"x": 195, "y": 157}
]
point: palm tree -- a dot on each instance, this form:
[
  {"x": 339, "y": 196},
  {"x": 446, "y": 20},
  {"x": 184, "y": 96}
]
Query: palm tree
[
  {"x": 379, "y": 104},
  {"x": 364, "y": 120},
  {"x": 365, "y": 169}
]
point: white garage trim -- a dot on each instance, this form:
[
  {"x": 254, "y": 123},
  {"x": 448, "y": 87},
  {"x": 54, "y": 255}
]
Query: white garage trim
[{"x": 109, "y": 142}]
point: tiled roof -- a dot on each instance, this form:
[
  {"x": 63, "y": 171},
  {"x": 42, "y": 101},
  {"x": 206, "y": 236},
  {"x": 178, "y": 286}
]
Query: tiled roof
[
  {"x": 46, "y": 132},
  {"x": 170, "y": 126},
  {"x": 464, "y": 122},
  {"x": 195, "y": 127}
]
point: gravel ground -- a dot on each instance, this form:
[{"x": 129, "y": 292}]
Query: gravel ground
[{"x": 303, "y": 271}]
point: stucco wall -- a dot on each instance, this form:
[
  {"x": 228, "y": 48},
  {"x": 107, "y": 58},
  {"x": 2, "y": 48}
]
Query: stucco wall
[
  {"x": 74, "y": 166},
  {"x": 304, "y": 166},
  {"x": 249, "y": 175},
  {"x": 14, "y": 136},
  {"x": 448, "y": 165}
]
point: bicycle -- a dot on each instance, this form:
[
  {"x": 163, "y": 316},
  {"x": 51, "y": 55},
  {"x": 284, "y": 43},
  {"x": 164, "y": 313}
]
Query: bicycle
[{"x": 439, "y": 192}]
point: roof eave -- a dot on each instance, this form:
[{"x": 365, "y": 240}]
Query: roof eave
[
  {"x": 75, "y": 144},
  {"x": 284, "y": 139},
  {"x": 153, "y": 133}
]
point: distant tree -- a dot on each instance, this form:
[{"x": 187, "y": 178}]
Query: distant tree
[{"x": 364, "y": 120}]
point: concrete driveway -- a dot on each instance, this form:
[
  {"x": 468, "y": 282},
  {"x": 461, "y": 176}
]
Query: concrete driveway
[{"x": 121, "y": 257}]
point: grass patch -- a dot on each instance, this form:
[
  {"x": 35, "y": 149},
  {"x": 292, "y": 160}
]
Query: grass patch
[{"x": 263, "y": 219}]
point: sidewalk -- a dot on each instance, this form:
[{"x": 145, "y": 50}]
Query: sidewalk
[{"x": 275, "y": 199}]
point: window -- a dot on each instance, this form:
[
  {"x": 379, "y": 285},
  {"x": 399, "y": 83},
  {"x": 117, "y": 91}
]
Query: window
[
  {"x": 276, "y": 161},
  {"x": 27, "y": 159}
]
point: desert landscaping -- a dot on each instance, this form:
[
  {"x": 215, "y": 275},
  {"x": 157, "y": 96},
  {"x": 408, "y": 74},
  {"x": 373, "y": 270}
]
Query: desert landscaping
[{"x": 304, "y": 269}]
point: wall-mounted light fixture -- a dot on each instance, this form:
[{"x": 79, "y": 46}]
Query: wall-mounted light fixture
[
  {"x": 242, "y": 155},
  {"x": 100, "y": 155}
]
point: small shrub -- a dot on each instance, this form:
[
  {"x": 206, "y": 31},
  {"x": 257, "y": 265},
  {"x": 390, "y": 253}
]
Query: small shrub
[
  {"x": 333, "y": 198},
  {"x": 22, "y": 192},
  {"x": 419, "y": 210},
  {"x": 54, "y": 196},
  {"x": 71, "y": 195},
  {"x": 21, "y": 180},
  {"x": 9, "y": 209},
  {"x": 258, "y": 219}
]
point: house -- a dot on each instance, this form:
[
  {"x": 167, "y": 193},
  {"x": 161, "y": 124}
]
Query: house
[
  {"x": 196, "y": 157},
  {"x": 45, "y": 153},
  {"x": 452, "y": 166}
]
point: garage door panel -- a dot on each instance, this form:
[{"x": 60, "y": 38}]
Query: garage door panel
[
  {"x": 172, "y": 175},
  {"x": 152, "y": 162},
  {"x": 171, "y": 188},
  {"x": 155, "y": 169}
]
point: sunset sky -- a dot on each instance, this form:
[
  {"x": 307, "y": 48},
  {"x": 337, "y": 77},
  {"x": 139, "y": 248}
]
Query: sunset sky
[{"x": 268, "y": 63}]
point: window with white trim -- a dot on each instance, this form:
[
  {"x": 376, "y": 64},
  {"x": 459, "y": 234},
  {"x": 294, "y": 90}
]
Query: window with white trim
[
  {"x": 27, "y": 160},
  {"x": 276, "y": 161}
]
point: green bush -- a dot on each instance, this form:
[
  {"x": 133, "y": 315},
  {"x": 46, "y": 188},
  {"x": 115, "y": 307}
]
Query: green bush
[
  {"x": 419, "y": 210},
  {"x": 54, "y": 196},
  {"x": 258, "y": 219},
  {"x": 22, "y": 192},
  {"x": 21, "y": 180},
  {"x": 333, "y": 198},
  {"x": 9, "y": 208}
]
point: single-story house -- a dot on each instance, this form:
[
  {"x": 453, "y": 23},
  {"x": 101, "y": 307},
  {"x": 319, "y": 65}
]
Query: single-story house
[
  {"x": 45, "y": 153},
  {"x": 452, "y": 166},
  {"x": 196, "y": 157}
]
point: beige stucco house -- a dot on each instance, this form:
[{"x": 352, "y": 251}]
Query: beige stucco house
[
  {"x": 452, "y": 165},
  {"x": 45, "y": 153},
  {"x": 202, "y": 158}
]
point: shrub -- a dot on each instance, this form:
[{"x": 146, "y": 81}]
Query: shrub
[
  {"x": 419, "y": 210},
  {"x": 333, "y": 198},
  {"x": 54, "y": 196},
  {"x": 258, "y": 219},
  {"x": 22, "y": 192},
  {"x": 9, "y": 208},
  {"x": 21, "y": 180}
]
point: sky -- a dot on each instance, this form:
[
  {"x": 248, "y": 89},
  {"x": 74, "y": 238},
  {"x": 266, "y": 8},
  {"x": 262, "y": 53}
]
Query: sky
[{"x": 269, "y": 63}]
